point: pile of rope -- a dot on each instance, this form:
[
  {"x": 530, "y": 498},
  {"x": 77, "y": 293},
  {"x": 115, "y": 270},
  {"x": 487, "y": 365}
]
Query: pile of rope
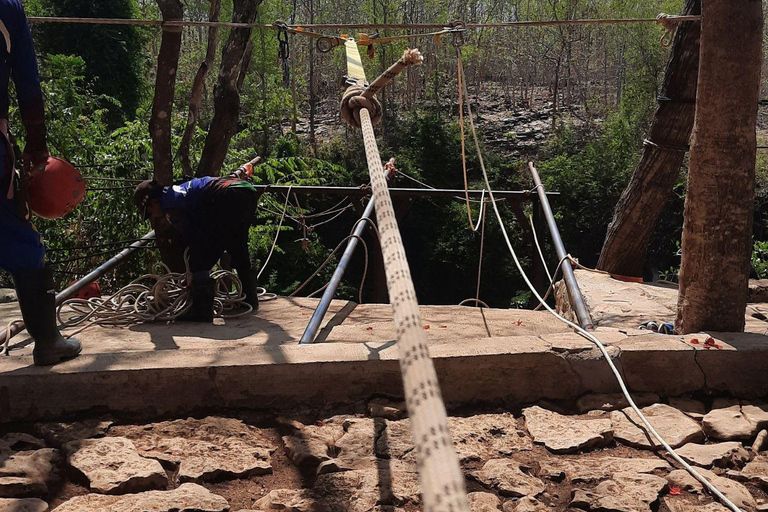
[{"x": 162, "y": 296}]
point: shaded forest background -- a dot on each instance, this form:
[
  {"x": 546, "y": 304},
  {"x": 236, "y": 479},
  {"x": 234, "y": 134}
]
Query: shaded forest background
[{"x": 578, "y": 100}]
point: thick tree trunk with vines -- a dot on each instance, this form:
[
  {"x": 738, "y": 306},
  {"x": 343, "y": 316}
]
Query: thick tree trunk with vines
[
  {"x": 165, "y": 84},
  {"x": 717, "y": 232},
  {"x": 641, "y": 203},
  {"x": 226, "y": 95},
  {"x": 198, "y": 86}
]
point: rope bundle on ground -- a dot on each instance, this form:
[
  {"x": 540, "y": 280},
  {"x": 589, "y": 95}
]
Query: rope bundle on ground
[{"x": 157, "y": 297}]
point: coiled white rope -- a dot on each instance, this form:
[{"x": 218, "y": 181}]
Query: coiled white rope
[{"x": 162, "y": 296}]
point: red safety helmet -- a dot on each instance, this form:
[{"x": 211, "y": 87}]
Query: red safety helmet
[
  {"x": 56, "y": 191},
  {"x": 88, "y": 292}
]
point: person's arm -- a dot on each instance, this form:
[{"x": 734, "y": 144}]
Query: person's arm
[{"x": 28, "y": 91}]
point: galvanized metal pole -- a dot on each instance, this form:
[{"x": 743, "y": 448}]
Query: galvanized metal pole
[
  {"x": 574, "y": 293},
  {"x": 99, "y": 271},
  {"x": 310, "y": 333}
]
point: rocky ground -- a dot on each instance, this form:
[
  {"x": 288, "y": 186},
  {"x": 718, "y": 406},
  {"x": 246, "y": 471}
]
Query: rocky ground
[{"x": 595, "y": 458}]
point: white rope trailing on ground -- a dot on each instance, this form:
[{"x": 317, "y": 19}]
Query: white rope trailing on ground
[
  {"x": 442, "y": 482},
  {"x": 584, "y": 333}
]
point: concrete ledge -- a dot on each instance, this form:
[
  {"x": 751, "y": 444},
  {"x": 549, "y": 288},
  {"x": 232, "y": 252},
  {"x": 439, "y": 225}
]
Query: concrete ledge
[{"x": 515, "y": 370}]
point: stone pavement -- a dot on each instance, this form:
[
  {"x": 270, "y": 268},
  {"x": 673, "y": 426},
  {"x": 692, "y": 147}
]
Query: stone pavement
[{"x": 540, "y": 459}]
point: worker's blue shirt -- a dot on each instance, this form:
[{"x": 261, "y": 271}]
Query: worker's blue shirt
[
  {"x": 17, "y": 61},
  {"x": 185, "y": 196}
]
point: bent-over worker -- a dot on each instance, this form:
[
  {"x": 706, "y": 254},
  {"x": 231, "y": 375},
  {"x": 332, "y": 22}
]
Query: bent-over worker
[
  {"x": 213, "y": 215},
  {"x": 21, "y": 248}
]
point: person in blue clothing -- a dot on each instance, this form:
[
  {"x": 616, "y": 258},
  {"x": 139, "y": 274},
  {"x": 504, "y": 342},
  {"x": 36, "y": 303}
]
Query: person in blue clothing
[
  {"x": 212, "y": 216},
  {"x": 21, "y": 248}
]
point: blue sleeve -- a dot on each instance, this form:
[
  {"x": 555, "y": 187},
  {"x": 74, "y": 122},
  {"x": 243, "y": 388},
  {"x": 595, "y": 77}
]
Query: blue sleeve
[{"x": 24, "y": 64}]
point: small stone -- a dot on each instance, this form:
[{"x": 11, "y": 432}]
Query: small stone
[
  {"x": 566, "y": 434},
  {"x": 674, "y": 427},
  {"x": 22, "y": 505},
  {"x": 59, "y": 434},
  {"x": 508, "y": 478},
  {"x": 291, "y": 500},
  {"x": 483, "y": 502},
  {"x": 732, "y": 490},
  {"x": 28, "y": 474},
  {"x": 755, "y": 472},
  {"x": 18, "y": 442},
  {"x": 693, "y": 408},
  {"x": 756, "y": 413},
  {"x": 387, "y": 409},
  {"x": 113, "y": 466},
  {"x": 524, "y": 504},
  {"x": 595, "y": 468},
  {"x": 7, "y": 295},
  {"x": 679, "y": 504},
  {"x": 727, "y": 422},
  {"x": 722, "y": 455},
  {"x": 312, "y": 444},
  {"x": 186, "y": 498},
  {"x": 387, "y": 482},
  {"x": 625, "y": 492},
  {"x": 613, "y": 401}
]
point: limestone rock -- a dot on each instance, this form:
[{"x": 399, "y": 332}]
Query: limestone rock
[
  {"x": 27, "y": 473},
  {"x": 312, "y": 444},
  {"x": 734, "y": 491},
  {"x": 566, "y": 434},
  {"x": 113, "y": 466},
  {"x": 693, "y": 408},
  {"x": 480, "y": 437},
  {"x": 359, "y": 439},
  {"x": 525, "y": 504},
  {"x": 756, "y": 413},
  {"x": 22, "y": 505},
  {"x": 59, "y": 434},
  {"x": 755, "y": 472},
  {"x": 378, "y": 481},
  {"x": 483, "y": 502},
  {"x": 727, "y": 422},
  {"x": 387, "y": 409},
  {"x": 625, "y": 492},
  {"x": 721, "y": 455},
  {"x": 7, "y": 295},
  {"x": 613, "y": 401},
  {"x": 18, "y": 442},
  {"x": 679, "y": 504},
  {"x": 206, "y": 450},
  {"x": 594, "y": 469},
  {"x": 675, "y": 427},
  {"x": 508, "y": 478},
  {"x": 186, "y": 498},
  {"x": 291, "y": 500}
]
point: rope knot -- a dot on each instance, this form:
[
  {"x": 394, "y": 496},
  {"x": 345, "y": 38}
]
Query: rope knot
[
  {"x": 353, "y": 100},
  {"x": 412, "y": 57},
  {"x": 669, "y": 23}
]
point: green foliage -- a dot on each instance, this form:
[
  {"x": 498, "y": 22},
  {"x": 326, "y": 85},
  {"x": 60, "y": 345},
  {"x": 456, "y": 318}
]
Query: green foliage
[
  {"x": 115, "y": 62},
  {"x": 760, "y": 259}
]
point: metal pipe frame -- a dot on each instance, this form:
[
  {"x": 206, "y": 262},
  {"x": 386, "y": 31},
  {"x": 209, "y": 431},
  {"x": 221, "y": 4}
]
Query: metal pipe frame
[
  {"x": 310, "y": 333},
  {"x": 96, "y": 273},
  {"x": 574, "y": 293},
  {"x": 395, "y": 192}
]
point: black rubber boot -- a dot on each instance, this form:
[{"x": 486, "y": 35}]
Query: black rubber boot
[
  {"x": 250, "y": 288},
  {"x": 37, "y": 300},
  {"x": 202, "y": 299}
]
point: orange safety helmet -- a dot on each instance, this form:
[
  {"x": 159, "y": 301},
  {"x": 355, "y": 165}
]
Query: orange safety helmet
[
  {"x": 90, "y": 291},
  {"x": 56, "y": 191}
]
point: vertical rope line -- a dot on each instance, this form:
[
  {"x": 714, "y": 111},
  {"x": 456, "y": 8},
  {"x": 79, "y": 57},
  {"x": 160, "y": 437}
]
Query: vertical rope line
[{"x": 442, "y": 482}]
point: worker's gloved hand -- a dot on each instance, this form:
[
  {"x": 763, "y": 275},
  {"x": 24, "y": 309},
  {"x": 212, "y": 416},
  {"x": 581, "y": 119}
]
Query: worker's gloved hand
[{"x": 35, "y": 153}]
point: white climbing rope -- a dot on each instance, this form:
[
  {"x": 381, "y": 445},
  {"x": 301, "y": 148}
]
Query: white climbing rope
[{"x": 589, "y": 336}]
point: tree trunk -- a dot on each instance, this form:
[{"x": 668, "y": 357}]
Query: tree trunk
[
  {"x": 641, "y": 203},
  {"x": 717, "y": 231},
  {"x": 226, "y": 96},
  {"x": 198, "y": 85},
  {"x": 165, "y": 84}
]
